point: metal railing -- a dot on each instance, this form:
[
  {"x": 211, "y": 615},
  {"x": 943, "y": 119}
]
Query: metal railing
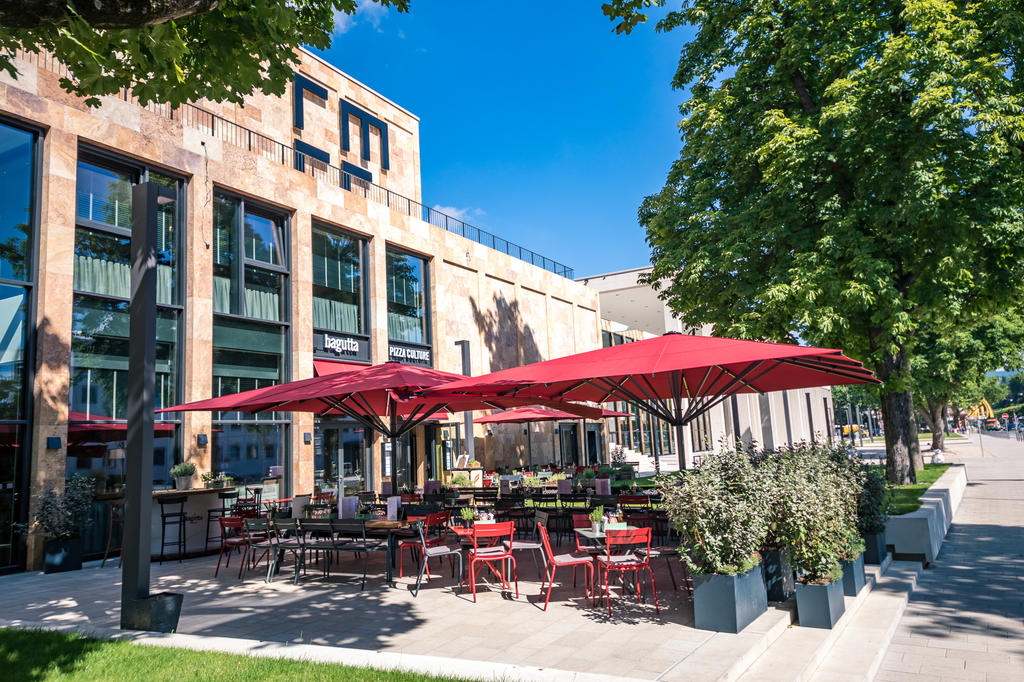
[{"x": 227, "y": 131}]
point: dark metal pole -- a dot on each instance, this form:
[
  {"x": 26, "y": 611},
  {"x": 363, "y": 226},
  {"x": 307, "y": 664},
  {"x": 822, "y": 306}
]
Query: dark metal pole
[
  {"x": 141, "y": 387},
  {"x": 467, "y": 416}
]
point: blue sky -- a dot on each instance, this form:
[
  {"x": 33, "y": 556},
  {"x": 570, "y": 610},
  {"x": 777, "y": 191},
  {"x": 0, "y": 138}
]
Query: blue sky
[{"x": 537, "y": 122}]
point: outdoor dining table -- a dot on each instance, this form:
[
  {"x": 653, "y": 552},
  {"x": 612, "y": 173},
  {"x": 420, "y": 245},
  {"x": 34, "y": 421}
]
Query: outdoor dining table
[{"x": 378, "y": 526}]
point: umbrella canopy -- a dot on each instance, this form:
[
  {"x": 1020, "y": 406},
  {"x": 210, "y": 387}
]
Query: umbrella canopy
[
  {"x": 385, "y": 398},
  {"x": 523, "y": 415},
  {"x": 659, "y": 374}
]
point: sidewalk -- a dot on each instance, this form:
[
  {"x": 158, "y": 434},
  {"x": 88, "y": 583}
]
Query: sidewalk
[{"x": 966, "y": 619}]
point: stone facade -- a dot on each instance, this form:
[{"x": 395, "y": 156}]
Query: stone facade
[{"x": 509, "y": 310}]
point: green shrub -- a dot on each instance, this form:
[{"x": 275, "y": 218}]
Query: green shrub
[
  {"x": 814, "y": 492},
  {"x": 605, "y": 472},
  {"x": 65, "y": 514},
  {"x": 626, "y": 471},
  {"x": 183, "y": 469},
  {"x": 874, "y": 502},
  {"x": 588, "y": 474},
  {"x": 597, "y": 513},
  {"x": 461, "y": 481},
  {"x": 721, "y": 511}
]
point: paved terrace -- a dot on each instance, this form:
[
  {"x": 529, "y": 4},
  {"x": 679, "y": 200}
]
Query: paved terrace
[{"x": 571, "y": 635}]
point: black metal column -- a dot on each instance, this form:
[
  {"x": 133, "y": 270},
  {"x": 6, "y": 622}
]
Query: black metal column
[
  {"x": 467, "y": 416},
  {"x": 141, "y": 387}
]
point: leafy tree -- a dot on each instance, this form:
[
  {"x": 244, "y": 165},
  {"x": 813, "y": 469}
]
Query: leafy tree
[
  {"x": 172, "y": 51},
  {"x": 949, "y": 365},
  {"x": 850, "y": 173}
]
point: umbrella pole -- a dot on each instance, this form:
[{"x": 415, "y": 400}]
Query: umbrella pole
[
  {"x": 680, "y": 450},
  {"x": 529, "y": 445}
]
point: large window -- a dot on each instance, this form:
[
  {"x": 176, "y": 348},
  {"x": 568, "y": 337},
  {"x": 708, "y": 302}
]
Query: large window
[
  {"x": 250, "y": 262},
  {"x": 337, "y": 282},
  {"x": 97, "y": 429},
  {"x": 18, "y": 173},
  {"x": 407, "y": 317},
  {"x": 250, "y": 302},
  {"x": 700, "y": 433}
]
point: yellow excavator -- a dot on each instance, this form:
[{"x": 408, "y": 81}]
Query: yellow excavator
[{"x": 984, "y": 411}]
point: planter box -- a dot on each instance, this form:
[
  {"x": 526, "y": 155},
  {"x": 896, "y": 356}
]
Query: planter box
[
  {"x": 921, "y": 533},
  {"x": 875, "y": 549},
  {"x": 820, "y": 606},
  {"x": 62, "y": 554},
  {"x": 779, "y": 580},
  {"x": 853, "y": 576},
  {"x": 728, "y": 603}
]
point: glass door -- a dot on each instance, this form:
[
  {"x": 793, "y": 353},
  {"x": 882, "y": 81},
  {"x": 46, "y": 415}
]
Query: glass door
[
  {"x": 10, "y": 502},
  {"x": 339, "y": 456},
  {"x": 568, "y": 435}
]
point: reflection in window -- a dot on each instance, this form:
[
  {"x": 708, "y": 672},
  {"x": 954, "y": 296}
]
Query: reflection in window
[
  {"x": 262, "y": 289},
  {"x": 406, "y": 314},
  {"x": 246, "y": 355},
  {"x": 250, "y": 453},
  {"x": 99, "y": 358},
  {"x": 12, "y": 352},
  {"x": 104, "y": 195},
  {"x": 337, "y": 282},
  {"x": 16, "y": 172},
  {"x": 700, "y": 433}
]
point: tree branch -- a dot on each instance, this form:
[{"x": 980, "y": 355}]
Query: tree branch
[{"x": 101, "y": 14}]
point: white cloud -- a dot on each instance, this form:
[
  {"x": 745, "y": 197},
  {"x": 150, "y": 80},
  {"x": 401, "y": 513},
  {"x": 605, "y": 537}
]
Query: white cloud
[
  {"x": 466, "y": 215},
  {"x": 368, "y": 11},
  {"x": 343, "y": 22}
]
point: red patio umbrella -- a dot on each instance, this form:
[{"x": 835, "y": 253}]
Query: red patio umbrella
[
  {"x": 659, "y": 374},
  {"x": 524, "y": 415},
  {"x": 385, "y": 398}
]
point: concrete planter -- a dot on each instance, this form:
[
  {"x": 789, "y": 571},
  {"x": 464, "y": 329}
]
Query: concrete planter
[
  {"x": 874, "y": 549},
  {"x": 779, "y": 580},
  {"x": 853, "y": 576},
  {"x": 157, "y": 613},
  {"x": 728, "y": 603},
  {"x": 920, "y": 533},
  {"x": 820, "y": 606}
]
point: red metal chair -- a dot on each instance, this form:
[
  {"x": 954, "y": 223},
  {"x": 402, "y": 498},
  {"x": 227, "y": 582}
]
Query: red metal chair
[
  {"x": 583, "y": 521},
  {"x": 628, "y": 552},
  {"x": 492, "y": 550},
  {"x": 231, "y": 539},
  {"x": 432, "y": 523},
  {"x": 554, "y": 561}
]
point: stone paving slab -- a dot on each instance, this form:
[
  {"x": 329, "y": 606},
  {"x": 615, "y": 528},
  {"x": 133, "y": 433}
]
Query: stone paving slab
[
  {"x": 572, "y": 635},
  {"x": 965, "y": 621}
]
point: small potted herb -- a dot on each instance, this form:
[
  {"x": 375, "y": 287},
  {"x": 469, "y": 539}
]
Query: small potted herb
[
  {"x": 467, "y": 515},
  {"x": 596, "y": 517},
  {"x": 182, "y": 474}
]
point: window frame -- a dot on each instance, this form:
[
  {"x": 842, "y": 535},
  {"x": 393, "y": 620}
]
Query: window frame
[
  {"x": 241, "y": 260},
  {"x": 364, "y": 259},
  {"x": 428, "y": 336}
]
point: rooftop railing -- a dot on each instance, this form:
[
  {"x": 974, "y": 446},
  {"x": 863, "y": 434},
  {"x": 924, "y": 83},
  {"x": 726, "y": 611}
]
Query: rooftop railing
[{"x": 227, "y": 131}]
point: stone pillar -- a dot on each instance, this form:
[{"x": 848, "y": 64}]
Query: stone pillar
[
  {"x": 53, "y": 320},
  {"x": 302, "y": 346}
]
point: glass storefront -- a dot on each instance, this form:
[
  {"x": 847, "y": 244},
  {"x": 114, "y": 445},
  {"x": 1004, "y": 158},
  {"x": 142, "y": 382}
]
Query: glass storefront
[
  {"x": 250, "y": 341},
  {"x": 340, "y": 450},
  {"x": 406, "y": 301},
  {"x": 446, "y": 442},
  {"x": 18, "y": 148},
  {"x": 98, "y": 398}
]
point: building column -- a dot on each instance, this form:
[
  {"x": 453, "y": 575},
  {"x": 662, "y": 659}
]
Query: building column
[{"x": 53, "y": 321}]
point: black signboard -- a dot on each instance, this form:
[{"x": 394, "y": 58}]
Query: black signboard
[
  {"x": 351, "y": 347},
  {"x": 411, "y": 354}
]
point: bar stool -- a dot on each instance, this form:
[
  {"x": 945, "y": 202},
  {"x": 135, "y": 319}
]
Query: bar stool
[
  {"x": 255, "y": 494},
  {"x": 116, "y": 518},
  {"x": 227, "y": 500},
  {"x": 172, "y": 518}
]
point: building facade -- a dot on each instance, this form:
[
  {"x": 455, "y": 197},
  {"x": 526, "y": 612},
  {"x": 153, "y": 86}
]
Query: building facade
[
  {"x": 633, "y": 311},
  {"x": 294, "y": 239}
]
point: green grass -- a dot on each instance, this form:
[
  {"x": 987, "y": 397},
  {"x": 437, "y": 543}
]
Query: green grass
[
  {"x": 925, "y": 436},
  {"x": 41, "y": 655},
  {"x": 907, "y": 498}
]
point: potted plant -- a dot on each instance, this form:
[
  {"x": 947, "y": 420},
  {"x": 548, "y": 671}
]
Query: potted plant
[
  {"x": 851, "y": 562},
  {"x": 467, "y": 515},
  {"x": 60, "y": 518},
  {"x": 460, "y": 481},
  {"x": 721, "y": 512},
  {"x": 873, "y": 506},
  {"x": 182, "y": 474},
  {"x": 596, "y": 516},
  {"x": 816, "y": 498}
]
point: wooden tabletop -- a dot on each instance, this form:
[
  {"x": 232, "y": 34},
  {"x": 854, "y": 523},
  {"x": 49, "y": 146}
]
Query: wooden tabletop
[{"x": 384, "y": 524}]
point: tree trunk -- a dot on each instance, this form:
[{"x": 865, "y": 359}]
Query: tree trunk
[
  {"x": 937, "y": 423},
  {"x": 902, "y": 452}
]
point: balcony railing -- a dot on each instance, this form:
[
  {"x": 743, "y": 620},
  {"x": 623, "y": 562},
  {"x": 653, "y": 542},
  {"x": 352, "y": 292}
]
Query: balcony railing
[{"x": 227, "y": 131}]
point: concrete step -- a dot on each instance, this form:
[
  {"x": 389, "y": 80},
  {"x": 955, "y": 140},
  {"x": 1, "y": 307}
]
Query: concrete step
[
  {"x": 858, "y": 653},
  {"x": 800, "y": 653}
]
